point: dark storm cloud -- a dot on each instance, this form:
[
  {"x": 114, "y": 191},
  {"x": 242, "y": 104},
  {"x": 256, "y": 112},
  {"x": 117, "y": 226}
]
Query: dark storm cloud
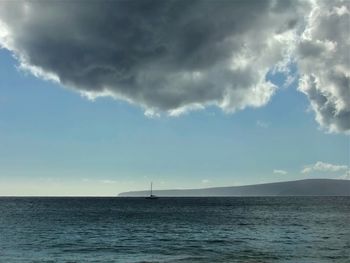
[
  {"x": 166, "y": 56},
  {"x": 162, "y": 55}
]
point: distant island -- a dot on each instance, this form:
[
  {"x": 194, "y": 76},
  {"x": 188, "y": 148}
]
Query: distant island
[{"x": 308, "y": 187}]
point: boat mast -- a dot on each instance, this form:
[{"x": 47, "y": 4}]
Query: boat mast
[{"x": 151, "y": 188}]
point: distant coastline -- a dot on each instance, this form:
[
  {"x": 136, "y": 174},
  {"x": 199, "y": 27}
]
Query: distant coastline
[{"x": 307, "y": 187}]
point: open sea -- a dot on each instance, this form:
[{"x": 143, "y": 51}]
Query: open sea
[{"x": 228, "y": 229}]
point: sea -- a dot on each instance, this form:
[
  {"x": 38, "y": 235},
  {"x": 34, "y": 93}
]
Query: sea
[{"x": 213, "y": 230}]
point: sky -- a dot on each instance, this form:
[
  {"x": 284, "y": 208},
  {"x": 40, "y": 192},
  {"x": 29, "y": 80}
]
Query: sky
[{"x": 103, "y": 97}]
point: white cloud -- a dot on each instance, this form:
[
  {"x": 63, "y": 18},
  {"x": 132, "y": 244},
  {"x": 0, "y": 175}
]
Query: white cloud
[
  {"x": 323, "y": 167},
  {"x": 205, "y": 181},
  {"x": 323, "y": 59},
  {"x": 277, "y": 171},
  {"x": 346, "y": 175}
]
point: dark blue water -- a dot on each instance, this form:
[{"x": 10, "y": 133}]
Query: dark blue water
[{"x": 272, "y": 229}]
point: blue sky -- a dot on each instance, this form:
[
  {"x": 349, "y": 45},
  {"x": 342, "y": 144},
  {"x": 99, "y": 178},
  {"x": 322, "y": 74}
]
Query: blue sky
[
  {"x": 186, "y": 94},
  {"x": 55, "y": 142}
]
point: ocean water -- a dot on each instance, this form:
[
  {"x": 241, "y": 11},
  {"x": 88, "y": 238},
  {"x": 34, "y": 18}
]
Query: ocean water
[{"x": 266, "y": 229}]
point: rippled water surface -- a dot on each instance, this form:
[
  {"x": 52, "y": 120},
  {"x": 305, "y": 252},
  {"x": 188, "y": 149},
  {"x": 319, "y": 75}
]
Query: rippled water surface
[{"x": 272, "y": 229}]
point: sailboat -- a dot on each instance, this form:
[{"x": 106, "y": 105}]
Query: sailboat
[{"x": 152, "y": 196}]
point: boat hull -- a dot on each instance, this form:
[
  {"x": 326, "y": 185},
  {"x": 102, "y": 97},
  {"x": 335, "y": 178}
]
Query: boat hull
[{"x": 152, "y": 197}]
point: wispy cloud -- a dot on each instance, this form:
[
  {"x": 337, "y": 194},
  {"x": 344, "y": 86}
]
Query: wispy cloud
[
  {"x": 262, "y": 124},
  {"x": 86, "y": 180},
  {"x": 107, "y": 181},
  {"x": 323, "y": 167},
  {"x": 205, "y": 181},
  {"x": 278, "y": 171}
]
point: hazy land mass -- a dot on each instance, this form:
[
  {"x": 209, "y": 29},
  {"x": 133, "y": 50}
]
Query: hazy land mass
[{"x": 308, "y": 187}]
